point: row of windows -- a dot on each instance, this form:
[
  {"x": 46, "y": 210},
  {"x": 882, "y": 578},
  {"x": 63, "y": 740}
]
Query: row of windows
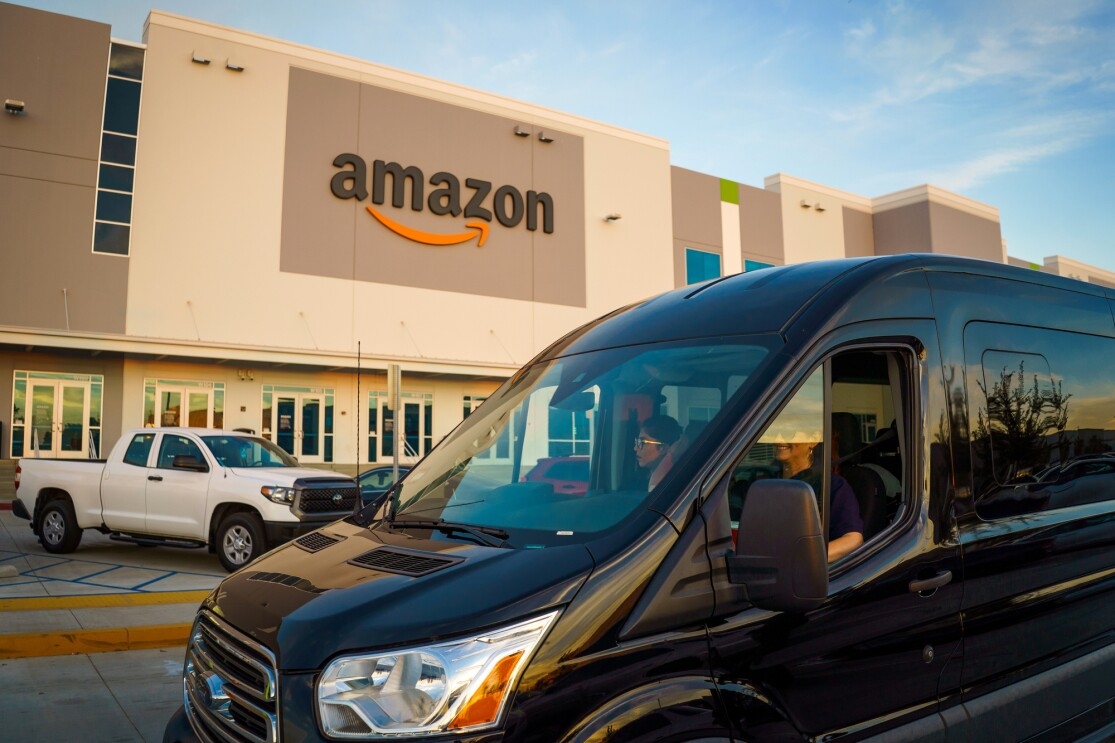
[{"x": 116, "y": 176}]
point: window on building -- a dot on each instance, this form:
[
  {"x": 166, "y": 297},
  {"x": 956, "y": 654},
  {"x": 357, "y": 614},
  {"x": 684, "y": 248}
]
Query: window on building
[
  {"x": 183, "y": 402},
  {"x": 299, "y": 420},
  {"x": 56, "y": 414},
  {"x": 755, "y": 265},
  {"x": 116, "y": 175},
  {"x": 701, "y": 265},
  {"x": 417, "y": 426}
]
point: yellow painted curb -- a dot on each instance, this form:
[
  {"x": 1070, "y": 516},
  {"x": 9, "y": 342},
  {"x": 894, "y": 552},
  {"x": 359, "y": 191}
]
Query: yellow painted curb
[
  {"x": 102, "y": 600},
  {"x": 40, "y": 644}
]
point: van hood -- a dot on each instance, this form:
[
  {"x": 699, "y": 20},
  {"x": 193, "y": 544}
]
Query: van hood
[
  {"x": 346, "y": 588},
  {"x": 283, "y": 476}
]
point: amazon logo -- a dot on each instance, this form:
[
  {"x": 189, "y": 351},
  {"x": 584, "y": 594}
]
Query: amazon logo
[{"x": 474, "y": 199}]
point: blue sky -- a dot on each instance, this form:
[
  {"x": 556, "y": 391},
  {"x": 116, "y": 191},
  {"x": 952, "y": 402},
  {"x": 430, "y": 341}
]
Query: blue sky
[{"x": 1009, "y": 102}]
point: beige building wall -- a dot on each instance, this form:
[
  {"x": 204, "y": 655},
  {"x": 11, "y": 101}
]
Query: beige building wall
[
  {"x": 212, "y": 144},
  {"x": 813, "y": 218},
  {"x": 1059, "y": 265}
]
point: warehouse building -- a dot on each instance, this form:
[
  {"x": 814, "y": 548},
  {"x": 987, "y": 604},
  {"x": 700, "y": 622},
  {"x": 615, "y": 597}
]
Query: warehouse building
[{"x": 214, "y": 228}]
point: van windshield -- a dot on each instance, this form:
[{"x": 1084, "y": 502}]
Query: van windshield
[{"x": 568, "y": 448}]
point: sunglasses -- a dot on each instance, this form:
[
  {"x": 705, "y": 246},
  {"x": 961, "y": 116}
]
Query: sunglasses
[{"x": 640, "y": 442}]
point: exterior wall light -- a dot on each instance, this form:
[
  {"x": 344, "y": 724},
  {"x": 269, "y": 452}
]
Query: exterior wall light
[
  {"x": 198, "y": 59},
  {"x": 230, "y": 65},
  {"x": 14, "y": 107},
  {"x": 520, "y": 133},
  {"x": 614, "y": 216}
]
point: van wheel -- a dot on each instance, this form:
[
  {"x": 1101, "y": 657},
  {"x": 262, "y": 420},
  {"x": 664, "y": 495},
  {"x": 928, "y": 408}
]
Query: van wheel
[
  {"x": 239, "y": 540},
  {"x": 58, "y": 530}
]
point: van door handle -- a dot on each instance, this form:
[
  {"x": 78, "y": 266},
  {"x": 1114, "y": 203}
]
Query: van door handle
[
  {"x": 931, "y": 584},
  {"x": 159, "y": 478}
]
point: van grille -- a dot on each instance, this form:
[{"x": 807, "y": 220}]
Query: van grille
[
  {"x": 316, "y": 498},
  {"x": 230, "y": 685}
]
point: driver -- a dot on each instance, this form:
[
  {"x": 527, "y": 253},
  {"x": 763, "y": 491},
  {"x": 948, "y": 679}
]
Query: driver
[{"x": 653, "y": 447}]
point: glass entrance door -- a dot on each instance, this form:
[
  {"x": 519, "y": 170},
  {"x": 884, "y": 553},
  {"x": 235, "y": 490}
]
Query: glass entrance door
[
  {"x": 184, "y": 406},
  {"x": 59, "y": 419},
  {"x": 414, "y": 433},
  {"x": 300, "y": 425}
]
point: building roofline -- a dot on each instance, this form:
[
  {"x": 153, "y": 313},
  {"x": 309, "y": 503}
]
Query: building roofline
[{"x": 369, "y": 72}]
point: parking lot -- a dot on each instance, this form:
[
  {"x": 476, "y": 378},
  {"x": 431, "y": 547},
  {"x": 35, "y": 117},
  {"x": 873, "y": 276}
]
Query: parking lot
[{"x": 91, "y": 643}]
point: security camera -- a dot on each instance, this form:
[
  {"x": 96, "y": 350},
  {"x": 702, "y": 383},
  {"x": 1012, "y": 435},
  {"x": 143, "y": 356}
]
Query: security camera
[{"x": 13, "y": 106}]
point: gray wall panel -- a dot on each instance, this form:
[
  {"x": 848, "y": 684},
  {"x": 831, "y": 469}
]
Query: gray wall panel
[
  {"x": 904, "y": 229},
  {"x": 760, "y": 225},
  {"x": 337, "y": 237},
  {"x": 48, "y": 163},
  {"x": 962, "y": 233},
  {"x": 57, "y": 66},
  {"x": 47, "y": 247},
  {"x": 696, "y": 208}
]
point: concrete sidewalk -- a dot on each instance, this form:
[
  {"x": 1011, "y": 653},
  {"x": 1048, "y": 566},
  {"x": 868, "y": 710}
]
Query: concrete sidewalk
[
  {"x": 92, "y": 642},
  {"x": 107, "y": 595}
]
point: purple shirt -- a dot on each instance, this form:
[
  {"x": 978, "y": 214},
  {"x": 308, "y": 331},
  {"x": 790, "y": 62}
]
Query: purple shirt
[{"x": 844, "y": 515}]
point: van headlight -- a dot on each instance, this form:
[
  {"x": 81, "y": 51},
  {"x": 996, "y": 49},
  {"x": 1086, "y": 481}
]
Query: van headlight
[
  {"x": 278, "y": 494},
  {"x": 459, "y": 685}
]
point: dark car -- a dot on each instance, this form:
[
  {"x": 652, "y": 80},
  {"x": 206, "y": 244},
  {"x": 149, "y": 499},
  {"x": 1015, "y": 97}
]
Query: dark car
[
  {"x": 377, "y": 481},
  {"x": 567, "y": 474}
]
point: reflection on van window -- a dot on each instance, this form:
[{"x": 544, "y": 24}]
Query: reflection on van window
[
  {"x": 1043, "y": 421},
  {"x": 854, "y": 464},
  {"x": 563, "y": 450}
]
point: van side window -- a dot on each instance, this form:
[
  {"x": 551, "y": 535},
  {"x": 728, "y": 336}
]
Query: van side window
[
  {"x": 138, "y": 449},
  {"x": 174, "y": 446},
  {"x": 1042, "y": 419},
  {"x": 855, "y": 459}
]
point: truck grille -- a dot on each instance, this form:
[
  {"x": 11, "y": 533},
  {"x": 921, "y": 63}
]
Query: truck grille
[
  {"x": 325, "y": 498},
  {"x": 230, "y": 685}
]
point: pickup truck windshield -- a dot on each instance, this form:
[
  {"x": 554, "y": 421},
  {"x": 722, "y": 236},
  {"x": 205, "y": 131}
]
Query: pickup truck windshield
[
  {"x": 569, "y": 447},
  {"x": 246, "y": 451}
]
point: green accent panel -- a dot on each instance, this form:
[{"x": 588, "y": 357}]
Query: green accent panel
[{"x": 729, "y": 191}]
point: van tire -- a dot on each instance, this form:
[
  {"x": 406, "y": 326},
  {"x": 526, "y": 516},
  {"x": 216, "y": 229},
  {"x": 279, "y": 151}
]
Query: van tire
[
  {"x": 239, "y": 540},
  {"x": 58, "y": 529}
]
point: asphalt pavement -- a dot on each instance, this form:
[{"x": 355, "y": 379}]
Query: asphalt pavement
[{"x": 92, "y": 642}]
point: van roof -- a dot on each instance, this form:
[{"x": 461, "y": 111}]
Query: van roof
[{"x": 773, "y": 300}]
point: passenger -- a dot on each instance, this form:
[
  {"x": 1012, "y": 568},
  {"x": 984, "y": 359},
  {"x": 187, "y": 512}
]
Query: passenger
[
  {"x": 845, "y": 522},
  {"x": 657, "y": 435}
]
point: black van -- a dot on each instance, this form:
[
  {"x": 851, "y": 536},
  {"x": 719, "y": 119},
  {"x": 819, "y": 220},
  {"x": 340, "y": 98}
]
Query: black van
[{"x": 823, "y": 501}]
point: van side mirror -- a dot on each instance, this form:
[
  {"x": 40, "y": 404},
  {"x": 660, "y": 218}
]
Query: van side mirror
[
  {"x": 188, "y": 462},
  {"x": 780, "y": 558}
]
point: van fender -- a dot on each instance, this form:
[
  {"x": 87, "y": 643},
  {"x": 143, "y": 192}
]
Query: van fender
[{"x": 684, "y": 708}]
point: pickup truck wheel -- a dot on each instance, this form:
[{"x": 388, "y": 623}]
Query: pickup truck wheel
[
  {"x": 58, "y": 530},
  {"x": 239, "y": 540}
]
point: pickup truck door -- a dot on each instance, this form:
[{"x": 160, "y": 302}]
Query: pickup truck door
[
  {"x": 124, "y": 486},
  {"x": 176, "y": 497}
]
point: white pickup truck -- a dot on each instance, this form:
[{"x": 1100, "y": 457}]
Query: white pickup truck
[{"x": 237, "y": 493}]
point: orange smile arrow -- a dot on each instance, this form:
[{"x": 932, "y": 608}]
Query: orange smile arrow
[{"x": 478, "y": 229}]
